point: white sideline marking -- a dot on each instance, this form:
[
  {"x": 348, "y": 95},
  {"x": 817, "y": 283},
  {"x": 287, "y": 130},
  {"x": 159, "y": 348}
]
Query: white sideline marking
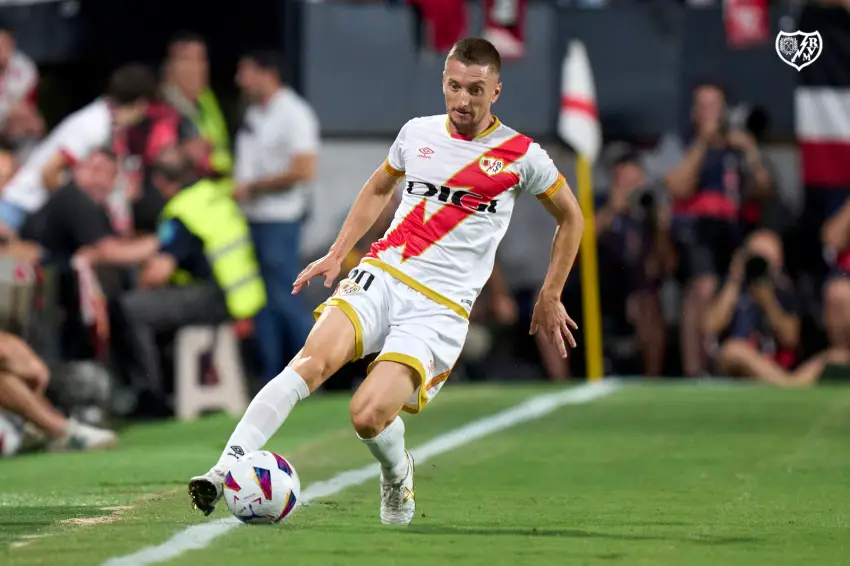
[{"x": 200, "y": 536}]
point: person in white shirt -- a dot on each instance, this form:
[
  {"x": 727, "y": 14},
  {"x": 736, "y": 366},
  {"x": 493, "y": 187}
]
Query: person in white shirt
[
  {"x": 20, "y": 121},
  {"x": 276, "y": 149},
  {"x": 94, "y": 126}
]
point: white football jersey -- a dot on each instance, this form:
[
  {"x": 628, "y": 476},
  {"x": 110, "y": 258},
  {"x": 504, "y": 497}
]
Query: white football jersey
[
  {"x": 76, "y": 136},
  {"x": 458, "y": 195}
]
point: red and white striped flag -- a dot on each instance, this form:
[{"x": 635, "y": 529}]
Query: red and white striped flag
[{"x": 578, "y": 122}]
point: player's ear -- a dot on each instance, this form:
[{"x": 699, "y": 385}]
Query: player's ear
[{"x": 496, "y": 92}]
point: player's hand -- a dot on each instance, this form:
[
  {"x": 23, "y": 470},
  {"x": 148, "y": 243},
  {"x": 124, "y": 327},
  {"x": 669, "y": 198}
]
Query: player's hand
[
  {"x": 551, "y": 317},
  {"x": 328, "y": 267}
]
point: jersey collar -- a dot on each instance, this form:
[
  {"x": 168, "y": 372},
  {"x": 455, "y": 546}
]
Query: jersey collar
[{"x": 496, "y": 123}]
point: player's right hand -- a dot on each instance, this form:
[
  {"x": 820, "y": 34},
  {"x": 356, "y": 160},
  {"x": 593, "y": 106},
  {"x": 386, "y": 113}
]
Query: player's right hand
[{"x": 328, "y": 267}]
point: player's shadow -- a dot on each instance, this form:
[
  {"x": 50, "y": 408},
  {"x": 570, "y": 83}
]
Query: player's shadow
[{"x": 573, "y": 533}]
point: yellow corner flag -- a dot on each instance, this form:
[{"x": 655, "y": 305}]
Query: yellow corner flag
[{"x": 578, "y": 125}]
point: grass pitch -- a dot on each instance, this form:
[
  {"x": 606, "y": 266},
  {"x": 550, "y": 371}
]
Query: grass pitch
[{"x": 651, "y": 475}]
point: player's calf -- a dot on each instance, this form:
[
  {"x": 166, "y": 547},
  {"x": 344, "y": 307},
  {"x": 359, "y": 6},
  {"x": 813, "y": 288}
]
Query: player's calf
[
  {"x": 329, "y": 346},
  {"x": 374, "y": 413}
]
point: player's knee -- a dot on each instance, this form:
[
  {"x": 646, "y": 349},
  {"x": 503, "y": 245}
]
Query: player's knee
[
  {"x": 313, "y": 368},
  {"x": 369, "y": 418}
]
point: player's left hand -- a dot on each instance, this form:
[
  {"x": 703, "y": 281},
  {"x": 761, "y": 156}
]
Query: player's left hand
[
  {"x": 551, "y": 317},
  {"x": 328, "y": 267}
]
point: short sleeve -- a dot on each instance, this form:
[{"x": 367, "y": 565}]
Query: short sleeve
[
  {"x": 174, "y": 239},
  {"x": 84, "y": 133},
  {"x": 304, "y": 131},
  {"x": 88, "y": 224},
  {"x": 394, "y": 165},
  {"x": 538, "y": 174}
]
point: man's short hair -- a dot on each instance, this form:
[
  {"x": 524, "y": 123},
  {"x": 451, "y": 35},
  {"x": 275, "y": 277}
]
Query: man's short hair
[
  {"x": 174, "y": 165},
  {"x": 709, "y": 83},
  {"x": 266, "y": 59},
  {"x": 185, "y": 36},
  {"x": 106, "y": 152},
  {"x": 476, "y": 51},
  {"x": 131, "y": 83}
]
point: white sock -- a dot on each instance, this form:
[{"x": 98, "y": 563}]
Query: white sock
[
  {"x": 388, "y": 449},
  {"x": 265, "y": 414}
]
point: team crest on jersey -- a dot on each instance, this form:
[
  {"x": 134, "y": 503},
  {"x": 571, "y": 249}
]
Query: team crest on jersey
[
  {"x": 490, "y": 165},
  {"x": 346, "y": 288}
]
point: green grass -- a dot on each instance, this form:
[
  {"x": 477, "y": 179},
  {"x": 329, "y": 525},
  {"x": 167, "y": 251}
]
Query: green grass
[{"x": 651, "y": 475}]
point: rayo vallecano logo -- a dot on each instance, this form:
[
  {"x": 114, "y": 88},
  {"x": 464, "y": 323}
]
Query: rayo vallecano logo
[
  {"x": 491, "y": 165},
  {"x": 798, "y": 48}
]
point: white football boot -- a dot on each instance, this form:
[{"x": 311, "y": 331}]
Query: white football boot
[
  {"x": 206, "y": 490},
  {"x": 398, "y": 504}
]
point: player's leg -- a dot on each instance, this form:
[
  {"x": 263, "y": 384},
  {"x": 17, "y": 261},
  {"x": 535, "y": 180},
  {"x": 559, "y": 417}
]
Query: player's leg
[
  {"x": 374, "y": 412},
  {"x": 353, "y": 323},
  {"x": 330, "y": 344},
  {"x": 422, "y": 346}
]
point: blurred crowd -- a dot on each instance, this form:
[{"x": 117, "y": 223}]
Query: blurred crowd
[
  {"x": 141, "y": 218},
  {"x": 142, "y": 214}
]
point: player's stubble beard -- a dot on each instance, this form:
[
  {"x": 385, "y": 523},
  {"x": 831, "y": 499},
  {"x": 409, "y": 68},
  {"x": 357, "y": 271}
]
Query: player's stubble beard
[{"x": 471, "y": 128}]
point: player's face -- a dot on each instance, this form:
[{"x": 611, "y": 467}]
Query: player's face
[{"x": 469, "y": 91}]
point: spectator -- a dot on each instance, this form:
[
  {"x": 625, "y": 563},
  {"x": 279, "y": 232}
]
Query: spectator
[
  {"x": 94, "y": 126},
  {"x": 713, "y": 167},
  {"x": 276, "y": 151},
  {"x": 635, "y": 256},
  {"x": 23, "y": 380},
  {"x": 74, "y": 221},
  {"x": 186, "y": 89},
  {"x": 21, "y": 123},
  {"x": 205, "y": 271},
  {"x": 162, "y": 127},
  {"x": 755, "y": 314},
  {"x": 836, "y": 294}
]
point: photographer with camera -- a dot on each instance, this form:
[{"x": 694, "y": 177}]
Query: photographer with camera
[
  {"x": 755, "y": 314},
  {"x": 709, "y": 172},
  {"x": 635, "y": 255}
]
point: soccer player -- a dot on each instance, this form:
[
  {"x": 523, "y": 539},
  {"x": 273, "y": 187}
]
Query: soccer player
[{"x": 409, "y": 299}]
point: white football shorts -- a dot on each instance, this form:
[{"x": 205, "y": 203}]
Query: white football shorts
[{"x": 403, "y": 325}]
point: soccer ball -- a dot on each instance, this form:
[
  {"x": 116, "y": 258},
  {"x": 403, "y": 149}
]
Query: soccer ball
[{"x": 261, "y": 488}]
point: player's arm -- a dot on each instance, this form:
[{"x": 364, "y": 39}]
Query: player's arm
[
  {"x": 370, "y": 203},
  {"x": 564, "y": 208},
  {"x": 53, "y": 171}
]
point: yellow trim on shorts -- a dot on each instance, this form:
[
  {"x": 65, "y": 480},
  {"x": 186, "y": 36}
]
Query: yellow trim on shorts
[
  {"x": 415, "y": 365},
  {"x": 352, "y": 316},
  {"x": 392, "y": 171},
  {"x": 553, "y": 189},
  {"x": 414, "y": 284}
]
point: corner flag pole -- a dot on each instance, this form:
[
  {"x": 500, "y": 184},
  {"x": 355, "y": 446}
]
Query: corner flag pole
[{"x": 591, "y": 310}]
